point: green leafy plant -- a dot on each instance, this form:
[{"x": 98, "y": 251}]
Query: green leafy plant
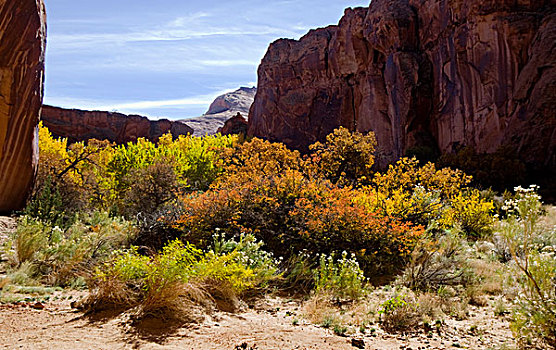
[
  {"x": 169, "y": 283},
  {"x": 58, "y": 256},
  {"x": 535, "y": 309},
  {"x": 341, "y": 278},
  {"x": 399, "y": 314}
]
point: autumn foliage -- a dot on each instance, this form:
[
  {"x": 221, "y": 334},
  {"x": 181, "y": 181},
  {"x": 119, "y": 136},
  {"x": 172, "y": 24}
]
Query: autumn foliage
[{"x": 328, "y": 200}]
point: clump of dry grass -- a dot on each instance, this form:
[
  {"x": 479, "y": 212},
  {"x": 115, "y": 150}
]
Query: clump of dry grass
[
  {"x": 4, "y": 282},
  {"x": 319, "y": 308},
  {"x": 180, "y": 283},
  {"x": 181, "y": 302},
  {"x": 399, "y": 314},
  {"x": 429, "y": 306}
]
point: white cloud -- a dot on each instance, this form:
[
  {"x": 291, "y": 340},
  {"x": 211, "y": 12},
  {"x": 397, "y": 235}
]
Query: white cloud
[
  {"x": 226, "y": 63},
  {"x": 136, "y": 106}
]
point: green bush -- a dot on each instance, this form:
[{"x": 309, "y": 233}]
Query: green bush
[
  {"x": 535, "y": 308},
  {"x": 47, "y": 204},
  {"x": 166, "y": 284},
  {"x": 399, "y": 314},
  {"x": 534, "y": 314},
  {"x": 340, "y": 278},
  {"x": 58, "y": 256},
  {"x": 250, "y": 253}
]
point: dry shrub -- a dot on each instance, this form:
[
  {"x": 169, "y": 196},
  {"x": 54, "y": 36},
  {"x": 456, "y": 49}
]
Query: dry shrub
[
  {"x": 429, "y": 306},
  {"x": 320, "y": 310},
  {"x": 475, "y": 296},
  {"x": 111, "y": 294},
  {"x": 399, "y": 314},
  {"x": 437, "y": 262},
  {"x": 222, "y": 294},
  {"x": 4, "y": 282},
  {"x": 179, "y": 302},
  {"x": 489, "y": 276},
  {"x": 458, "y": 308},
  {"x": 149, "y": 188}
]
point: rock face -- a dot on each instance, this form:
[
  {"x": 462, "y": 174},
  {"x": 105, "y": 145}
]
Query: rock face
[
  {"x": 235, "y": 125},
  {"x": 222, "y": 109},
  {"x": 22, "y": 50},
  {"x": 77, "y": 125},
  {"x": 434, "y": 73}
]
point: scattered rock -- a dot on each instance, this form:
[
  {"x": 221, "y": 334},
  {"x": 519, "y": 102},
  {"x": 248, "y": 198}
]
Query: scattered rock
[
  {"x": 38, "y": 306},
  {"x": 358, "y": 343}
]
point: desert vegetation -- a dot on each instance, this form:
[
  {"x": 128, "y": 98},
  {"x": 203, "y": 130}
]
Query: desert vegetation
[{"x": 181, "y": 228}]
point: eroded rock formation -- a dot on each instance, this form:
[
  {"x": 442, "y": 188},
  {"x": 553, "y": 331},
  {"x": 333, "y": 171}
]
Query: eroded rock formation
[
  {"x": 77, "y": 125},
  {"x": 434, "y": 73},
  {"x": 222, "y": 109},
  {"x": 234, "y": 125},
  {"x": 22, "y": 49}
]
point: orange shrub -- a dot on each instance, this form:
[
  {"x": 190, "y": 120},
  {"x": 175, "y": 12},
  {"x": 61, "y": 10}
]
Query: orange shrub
[{"x": 290, "y": 213}]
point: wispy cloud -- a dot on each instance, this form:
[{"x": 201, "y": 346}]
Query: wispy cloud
[
  {"x": 166, "y": 57},
  {"x": 133, "y": 107}
]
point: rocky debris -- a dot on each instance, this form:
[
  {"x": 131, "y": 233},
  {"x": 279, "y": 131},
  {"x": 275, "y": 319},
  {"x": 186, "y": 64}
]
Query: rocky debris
[
  {"x": 234, "y": 126},
  {"x": 358, "y": 343},
  {"x": 37, "y": 306},
  {"x": 419, "y": 73},
  {"x": 22, "y": 52},
  {"x": 77, "y": 125},
  {"x": 221, "y": 110}
]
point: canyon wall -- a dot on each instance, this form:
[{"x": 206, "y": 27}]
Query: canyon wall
[
  {"x": 77, "y": 125},
  {"x": 434, "y": 73},
  {"x": 22, "y": 50}
]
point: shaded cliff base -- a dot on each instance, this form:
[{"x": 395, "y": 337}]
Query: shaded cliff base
[{"x": 499, "y": 171}]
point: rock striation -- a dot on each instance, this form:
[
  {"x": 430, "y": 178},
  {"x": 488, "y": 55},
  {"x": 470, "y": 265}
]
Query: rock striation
[
  {"x": 22, "y": 53},
  {"x": 419, "y": 73},
  {"x": 222, "y": 109},
  {"x": 78, "y": 125}
]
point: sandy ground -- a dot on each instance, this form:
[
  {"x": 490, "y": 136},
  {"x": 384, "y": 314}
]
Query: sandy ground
[{"x": 58, "y": 326}]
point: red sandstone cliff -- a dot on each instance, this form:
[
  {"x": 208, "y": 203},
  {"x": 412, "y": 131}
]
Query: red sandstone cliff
[
  {"x": 22, "y": 49},
  {"x": 436, "y": 73},
  {"x": 235, "y": 125},
  {"x": 77, "y": 125}
]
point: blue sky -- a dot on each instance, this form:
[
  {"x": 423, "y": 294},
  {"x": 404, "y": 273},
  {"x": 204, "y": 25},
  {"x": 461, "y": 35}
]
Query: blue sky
[{"x": 167, "y": 58}]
